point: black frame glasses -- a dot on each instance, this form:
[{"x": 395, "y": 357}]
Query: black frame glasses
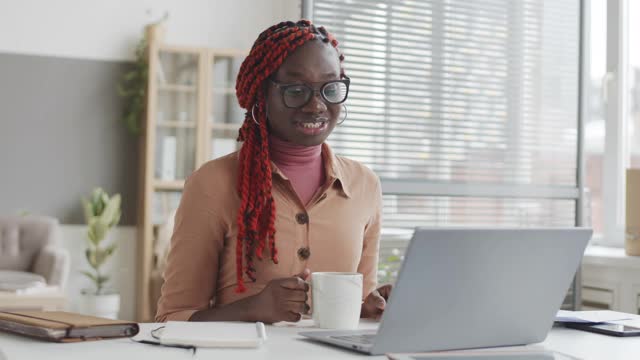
[{"x": 311, "y": 92}]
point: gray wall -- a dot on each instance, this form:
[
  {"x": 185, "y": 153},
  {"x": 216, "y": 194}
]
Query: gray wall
[{"x": 61, "y": 136}]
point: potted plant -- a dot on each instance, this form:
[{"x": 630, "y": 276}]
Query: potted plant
[
  {"x": 101, "y": 213},
  {"x": 133, "y": 84}
]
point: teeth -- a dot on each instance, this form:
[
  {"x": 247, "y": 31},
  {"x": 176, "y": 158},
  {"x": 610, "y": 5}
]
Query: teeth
[{"x": 313, "y": 125}]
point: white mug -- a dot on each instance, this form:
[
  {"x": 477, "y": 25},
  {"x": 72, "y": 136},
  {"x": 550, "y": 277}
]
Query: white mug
[{"x": 337, "y": 299}]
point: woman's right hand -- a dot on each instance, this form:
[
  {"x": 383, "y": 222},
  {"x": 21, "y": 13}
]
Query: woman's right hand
[{"x": 282, "y": 299}]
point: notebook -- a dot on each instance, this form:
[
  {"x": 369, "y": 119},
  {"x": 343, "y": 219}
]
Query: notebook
[
  {"x": 214, "y": 334},
  {"x": 62, "y": 326},
  {"x": 590, "y": 317}
]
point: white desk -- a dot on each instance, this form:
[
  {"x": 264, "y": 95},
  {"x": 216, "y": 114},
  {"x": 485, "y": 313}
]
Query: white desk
[{"x": 284, "y": 343}]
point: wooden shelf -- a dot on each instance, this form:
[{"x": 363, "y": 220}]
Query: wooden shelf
[
  {"x": 168, "y": 184},
  {"x": 179, "y": 49},
  {"x": 181, "y": 78},
  {"x": 176, "y": 124},
  {"x": 177, "y": 88},
  {"x": 225, "y": 126}
]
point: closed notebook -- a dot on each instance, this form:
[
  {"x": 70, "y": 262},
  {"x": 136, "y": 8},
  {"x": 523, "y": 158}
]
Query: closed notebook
[
  {"x": 63, "y": 326},
  {"x": 214, "y": 334}
]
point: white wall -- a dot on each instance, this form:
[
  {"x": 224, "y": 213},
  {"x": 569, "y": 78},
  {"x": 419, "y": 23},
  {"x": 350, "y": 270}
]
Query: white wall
[
  {"x": 121, "y": 267},
  {"x": 109, "y": 30}
]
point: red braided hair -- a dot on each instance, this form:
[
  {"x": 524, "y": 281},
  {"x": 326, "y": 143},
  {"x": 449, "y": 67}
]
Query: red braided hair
[{"x": 257, "y": 213}]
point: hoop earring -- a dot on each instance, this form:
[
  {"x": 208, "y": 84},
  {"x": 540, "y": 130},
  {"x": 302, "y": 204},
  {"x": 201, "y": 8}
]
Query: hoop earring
[
  {"x": 345, "y": 110},
  {"x": 253, "y": 116}
]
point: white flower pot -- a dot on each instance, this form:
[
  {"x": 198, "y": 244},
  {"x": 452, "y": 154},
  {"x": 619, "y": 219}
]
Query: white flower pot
[{"x": 107, "y": 305}]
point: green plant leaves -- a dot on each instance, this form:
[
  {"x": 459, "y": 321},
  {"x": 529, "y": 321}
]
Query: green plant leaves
[
  {"x": 97, "y": 231},
  {"x": 102, "y": 279},
  {"x": 101, "y": 212},
  {"x": 89, "y": 275},
  {"x": 91, "y": 258},
  {"x": 103, "y": 254},
  {"x": 111, "y": 213},
  {"x": 133, "y": 89}
]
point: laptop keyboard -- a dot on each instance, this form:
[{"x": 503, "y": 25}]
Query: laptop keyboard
[{"x": 366, "y": 339}]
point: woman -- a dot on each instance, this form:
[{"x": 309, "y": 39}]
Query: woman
[{"x": 284, "y": 204}]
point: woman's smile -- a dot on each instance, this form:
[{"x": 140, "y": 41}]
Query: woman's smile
[{"x": 312, "y": 127}]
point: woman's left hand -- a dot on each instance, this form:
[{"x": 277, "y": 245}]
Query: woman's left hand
[{"x": 373, "y": 306}]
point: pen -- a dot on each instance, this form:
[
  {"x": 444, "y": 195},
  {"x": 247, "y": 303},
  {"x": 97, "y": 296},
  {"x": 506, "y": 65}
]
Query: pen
[{"x": 149, "y": 342}]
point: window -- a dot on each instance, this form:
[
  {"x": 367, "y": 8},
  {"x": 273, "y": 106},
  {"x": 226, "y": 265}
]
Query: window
[
  {"x": 468, "y": 111},
  {"x": 594, "y": 122},
  {"x": 634, "y": 84},
  {"x": 612, "y": 130}
]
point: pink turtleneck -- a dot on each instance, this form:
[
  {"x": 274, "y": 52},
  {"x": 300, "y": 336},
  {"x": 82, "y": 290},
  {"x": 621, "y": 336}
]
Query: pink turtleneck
[{"x": 301, "y": 164}]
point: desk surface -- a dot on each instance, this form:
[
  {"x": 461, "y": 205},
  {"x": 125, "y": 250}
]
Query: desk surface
[{"x": 284, "y": 343}]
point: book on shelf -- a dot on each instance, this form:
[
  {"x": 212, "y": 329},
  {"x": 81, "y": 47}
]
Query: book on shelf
[{"x": 168, "y": 159}]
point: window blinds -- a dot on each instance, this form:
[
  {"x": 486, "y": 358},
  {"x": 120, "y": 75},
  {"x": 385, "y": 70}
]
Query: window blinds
[{"x": 467, "y": 110}]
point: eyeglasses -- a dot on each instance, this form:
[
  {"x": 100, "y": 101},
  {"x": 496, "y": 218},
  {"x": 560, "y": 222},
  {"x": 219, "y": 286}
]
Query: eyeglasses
[{"x": 296, "y": 96}]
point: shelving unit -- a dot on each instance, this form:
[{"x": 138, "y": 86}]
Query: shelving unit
[
  {"x": 176, "y": 124},
  {"x": 169, "y": 185},
  {"x": 192, "y": 116},
  {"x": 177, "y": 88}
]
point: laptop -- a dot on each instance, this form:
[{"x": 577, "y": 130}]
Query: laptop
[{"x": 472, "y": 288}]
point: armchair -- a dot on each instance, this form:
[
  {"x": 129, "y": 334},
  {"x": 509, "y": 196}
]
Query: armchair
[{"x": 29, "y": 249}]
